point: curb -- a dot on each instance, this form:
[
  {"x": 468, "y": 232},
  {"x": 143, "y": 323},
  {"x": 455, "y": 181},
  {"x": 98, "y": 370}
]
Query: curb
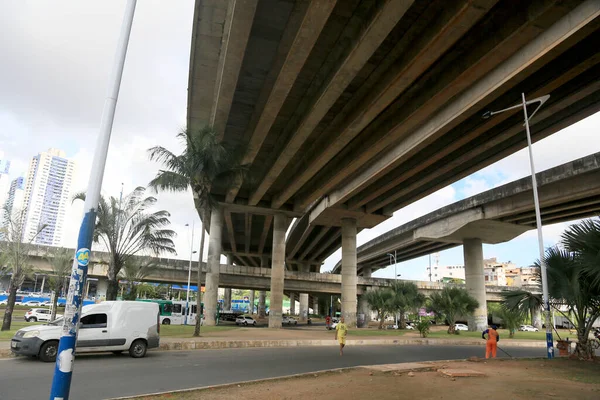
[
  {"x": 229, "y": 344},
  {"x": 235, "y": 384}
]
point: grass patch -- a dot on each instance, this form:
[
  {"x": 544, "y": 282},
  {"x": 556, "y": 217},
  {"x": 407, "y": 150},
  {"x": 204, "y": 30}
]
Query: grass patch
[
  {"x": 375, "y": 332},
  {"x": 187, "y": 331},
  {"x": 477, "y": 335},
  {"x": 14, "y": 327}
]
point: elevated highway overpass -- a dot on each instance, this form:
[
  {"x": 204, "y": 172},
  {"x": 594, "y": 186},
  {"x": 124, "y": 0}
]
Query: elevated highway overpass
[
  {"x": 173, "y": 271},
  {"x": 347, "y": 111}
]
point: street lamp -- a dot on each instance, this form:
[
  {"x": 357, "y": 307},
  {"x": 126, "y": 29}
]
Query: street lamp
[
  {"x": 541, "y": 100},
  {"x": 187, "y": 296},
  {"x": 395, "y": 276}
]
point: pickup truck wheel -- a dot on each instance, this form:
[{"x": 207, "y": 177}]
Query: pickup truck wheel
[
  {"x": 138, "y": 349},
  {"x": 48, "y": 351}
]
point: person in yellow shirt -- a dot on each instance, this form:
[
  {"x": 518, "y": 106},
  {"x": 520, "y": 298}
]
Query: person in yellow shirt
[{"x": 341, "y": 330}]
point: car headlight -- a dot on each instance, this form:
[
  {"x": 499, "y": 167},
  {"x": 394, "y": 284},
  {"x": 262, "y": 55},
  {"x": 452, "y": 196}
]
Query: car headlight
[{"x": 31, "y": 334}]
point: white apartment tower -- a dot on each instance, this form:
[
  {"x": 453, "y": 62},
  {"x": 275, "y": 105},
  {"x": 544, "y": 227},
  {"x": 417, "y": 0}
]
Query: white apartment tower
[{"x": 47, "y": 196}]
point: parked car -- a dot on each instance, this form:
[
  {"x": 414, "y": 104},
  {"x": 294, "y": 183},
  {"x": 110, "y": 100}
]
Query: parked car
[
  {"x": 461, "y": 327},
  {"x": 3, "y": 302},
  {"x": 528, "y": 328},
  {"x": 114, "y": 326},
  {"x": 32, "y": 303},
  {"x": 39, "y": 314},
  {"x": 289, "y": 320},
  {"x": 245, "y": 320}
]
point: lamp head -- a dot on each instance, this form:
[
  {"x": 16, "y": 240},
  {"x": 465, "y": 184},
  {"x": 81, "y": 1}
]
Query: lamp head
[{"x": 486, "y": 114}]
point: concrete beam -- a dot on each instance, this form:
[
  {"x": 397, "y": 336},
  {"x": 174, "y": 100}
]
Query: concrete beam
[
  {"x": 479, "y": 94},
  {"x": 418, "y": 54},
  {"x": 230, "y": 231},
  {"x": 313, "y": 243},
  {"x": 238, "y": 23},
  {"x": 379, "y": 28},
  {"x": 248, "y": 231},
  {"x": 264, "y": 233},
  {"x": 311, "y": 20}
]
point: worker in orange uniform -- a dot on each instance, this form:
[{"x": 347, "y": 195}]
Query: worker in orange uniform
[{"x": 492, "y": 341}]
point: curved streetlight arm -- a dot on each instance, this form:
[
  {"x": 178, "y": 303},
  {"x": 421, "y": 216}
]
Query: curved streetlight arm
[{"x": 541, "y": 100}]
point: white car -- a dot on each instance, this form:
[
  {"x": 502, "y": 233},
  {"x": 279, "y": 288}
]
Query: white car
[
  {"x": 245, "y": 320},
  {"x": 3, "y": 302},
  {"x": 461, "y": 327},
  {"x": 39, "y": 314},
  {"x": 32, "y": 303},
  {"x": 289, "y": 320},
  {"x": 528, "y": 328}
]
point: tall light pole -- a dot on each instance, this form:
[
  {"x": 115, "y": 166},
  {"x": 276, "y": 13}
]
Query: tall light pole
[
  {"x": 538, "y": 219},
  {"x": 65, "y": 354},
  {"x": 395, "y": 276},
  {"x": 187, "y": 296}
]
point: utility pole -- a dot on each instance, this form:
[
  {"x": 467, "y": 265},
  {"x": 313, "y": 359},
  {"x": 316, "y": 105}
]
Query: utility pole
[{"x": 65, "y": 357}]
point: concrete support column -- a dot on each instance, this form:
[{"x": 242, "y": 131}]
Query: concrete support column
[
  {"x": 292, "y": 303},
  {"x": 277, "y": 271},
  {"x": 227, "y": 292},
  {"x": 363, "y": 306},
  {"x": 349, "y": 277},
  {"x": 475, "y": 282},
  {"x": 262, "y": 295},
  {"x": 251, "y": 309},
  {"x": 315, "y": 306},
  {"x": 304, "y": 298},
  {"x": 213, "y": 266}
]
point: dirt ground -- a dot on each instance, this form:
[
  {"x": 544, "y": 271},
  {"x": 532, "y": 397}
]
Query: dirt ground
[{"x": 511, "y": 379}]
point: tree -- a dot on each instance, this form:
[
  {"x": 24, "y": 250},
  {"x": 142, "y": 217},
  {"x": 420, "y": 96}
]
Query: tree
[
  {"x": 451, "y": 303},
  {"x": 61, "y": 261},
  {"x": 127, "y": 228},
  {"x": 204, "y": 162},
  {"x": 14, "y": 257},
  {"x": 524, "y": 303},
  {"x": 380, "y": 301},
  {"x": 406, "y": 297},
  {"x": 511, "y": 319},
  {"x": 134, "y": 271}
]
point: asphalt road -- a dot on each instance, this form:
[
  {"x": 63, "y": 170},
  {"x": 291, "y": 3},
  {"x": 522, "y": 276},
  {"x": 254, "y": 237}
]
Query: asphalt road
[{"x": 107, "y": 376}]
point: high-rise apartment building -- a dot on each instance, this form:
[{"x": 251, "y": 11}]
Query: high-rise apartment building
[
  {"x": 4, "y": 180},
  {"x": 47, "y": 196}
]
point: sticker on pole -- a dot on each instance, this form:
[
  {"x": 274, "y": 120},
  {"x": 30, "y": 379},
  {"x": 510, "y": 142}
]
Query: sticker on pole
[{"x": 83, "y": 257}]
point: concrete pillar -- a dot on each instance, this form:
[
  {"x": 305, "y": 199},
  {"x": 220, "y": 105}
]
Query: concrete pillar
[
  {"x": 292, "y": 303},
  {"x": 304, "y": 298},
  {"x": 251, "y": 309},
  {"x": 475, "y": 282},
  {"x": 363, "y": 306},
  {"x": 315, "y": 306},
  {"x": 227, "y": 292},
  {"x": 43, "y": 284},
  {"x": 262, "y": 295},
  {"x": 349, "y": 277},
  {"x": 277, "y": 271},
  {"x": 213, "y": 266}
]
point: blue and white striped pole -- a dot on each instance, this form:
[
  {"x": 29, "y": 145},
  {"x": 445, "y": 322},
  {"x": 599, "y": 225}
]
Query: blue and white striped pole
[{"x": 63, "y": 371}]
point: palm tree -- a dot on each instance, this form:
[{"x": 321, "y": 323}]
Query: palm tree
[
  {"x": 61, "y": 261},
  {"x": 406, "y": 297},
  {"x": 14, "y": 257},
  {"x": 524, "y": 303},
  {"x": 135, "y": 271},
  {"x": 451, "y": 303},
  {"x": 126, "y": 229},
  {"x": 583, "y": 240},
  {"x": 379, "y": 301},
  {"x": 510, "y": 319},
  {"x": 205, "y": 160}
]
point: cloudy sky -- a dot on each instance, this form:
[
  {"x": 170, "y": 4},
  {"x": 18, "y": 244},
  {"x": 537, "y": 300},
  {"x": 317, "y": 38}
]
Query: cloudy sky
[{"x": 56, "y": 59}]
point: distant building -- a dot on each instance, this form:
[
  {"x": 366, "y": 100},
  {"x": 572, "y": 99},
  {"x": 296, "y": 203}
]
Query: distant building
[
  {"x": 15, "y": 196},
  {"x": 523, "y": 276},
  {"x": 4, "y": 181},
  {"x": 495, "y": 271},
  {"x": 440, "y": 272},
  {"x": 47, "y": 196}
]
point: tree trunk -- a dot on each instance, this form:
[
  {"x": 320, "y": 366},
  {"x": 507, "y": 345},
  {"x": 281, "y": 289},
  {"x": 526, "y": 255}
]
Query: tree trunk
[
  {"x": 451, "y": 329},
  {"x": 381, "y": 320},
  {"x": 12, "y": 296},
  {"x": 199, "y": 296},
  {"x": 402, "y": 319},
  {"x": 113, "y": 289},
  {"x": 55, "y": 302}
]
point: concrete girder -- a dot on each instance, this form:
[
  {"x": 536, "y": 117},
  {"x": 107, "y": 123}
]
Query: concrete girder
[
  {"x": 417, "y": 55},
  {"x": 230, "y": 231},
  {"x": 391, "y": 194},
  {"x": 472, "y": 99},
  {"x": 488, "y": 231},
  {"x": 313, "y": 243},
  {"x": 240, "y": 15},
  {"x": 305, "y": 234},
  {"x": 379, "y": 27},
  {"x": 336, "y": 235},
  {"x": 302, "y": 33},
  {"x": 248, "y": 232},
  {"x": 571, "y": 209},
  {"x": 265, "y": 232},
  {"x": 209, "y": 18},
  {"x": 575, "y": 214}
]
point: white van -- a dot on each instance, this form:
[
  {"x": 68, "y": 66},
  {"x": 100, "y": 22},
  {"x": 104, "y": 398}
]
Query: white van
[{"x": 114, "y": 326}]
